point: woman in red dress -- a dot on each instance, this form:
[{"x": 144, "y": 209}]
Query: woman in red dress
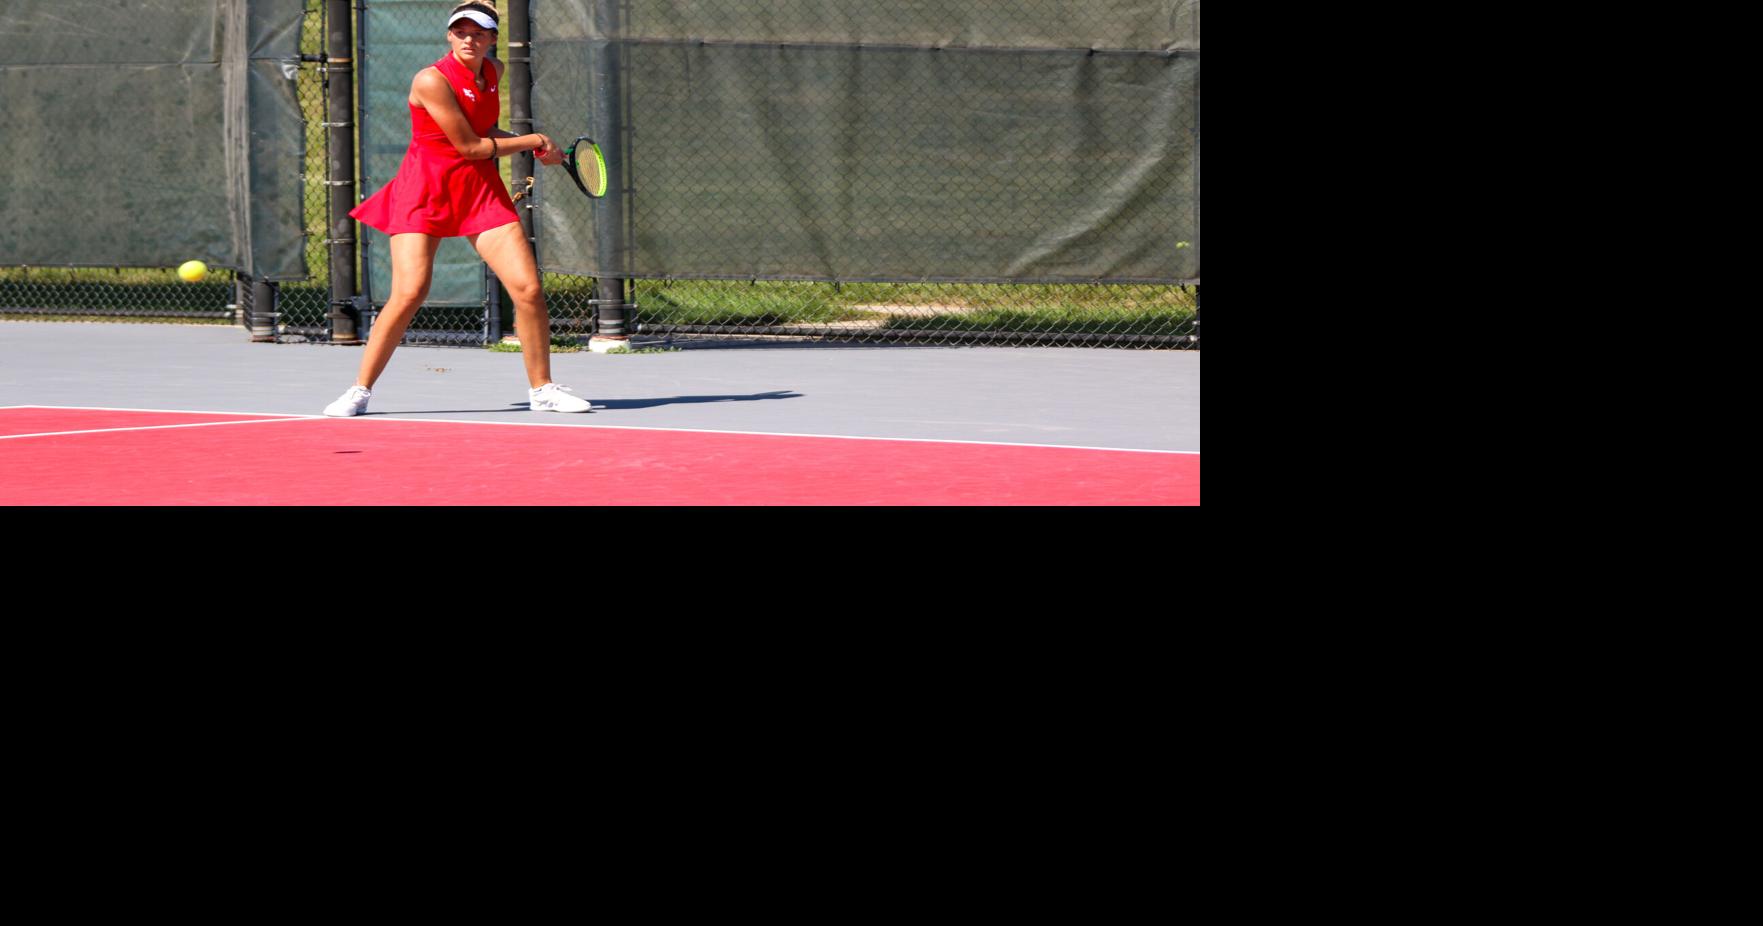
[{"x": 448, "y": 186}]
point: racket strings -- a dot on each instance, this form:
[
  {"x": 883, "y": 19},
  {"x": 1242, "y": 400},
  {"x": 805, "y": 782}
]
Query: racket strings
[{"x": 587, "y": 167}]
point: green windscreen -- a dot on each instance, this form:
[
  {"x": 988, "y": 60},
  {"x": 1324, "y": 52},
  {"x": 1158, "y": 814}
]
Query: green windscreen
[
  {"x": 849, "y": 140},
  {"x": 398, "y": 39}
]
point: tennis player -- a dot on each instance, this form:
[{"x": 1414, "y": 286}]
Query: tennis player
[{"x": 447, "y": 187}]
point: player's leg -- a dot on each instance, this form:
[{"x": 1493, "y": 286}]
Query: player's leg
[
  {"x": 510, "y": 258},
  {"x": 413, "y": 262},
  {"x": 413, "y": 265}
]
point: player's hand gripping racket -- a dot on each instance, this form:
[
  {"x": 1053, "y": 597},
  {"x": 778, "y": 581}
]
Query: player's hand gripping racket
[{"x": 586, "y": 166}]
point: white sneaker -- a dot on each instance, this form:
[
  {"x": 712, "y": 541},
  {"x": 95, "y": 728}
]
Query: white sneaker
[
  {"x": 554, "y": 398},
  {"x": 352, "y": 403}
]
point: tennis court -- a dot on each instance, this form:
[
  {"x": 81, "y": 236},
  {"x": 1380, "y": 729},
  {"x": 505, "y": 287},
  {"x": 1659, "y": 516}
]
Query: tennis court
[
  {"x": 931, "y": 254},
  {"x": 125, "y": 414}
]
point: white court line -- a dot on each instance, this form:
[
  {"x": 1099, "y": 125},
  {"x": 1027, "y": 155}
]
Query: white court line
[
  {"x": 150, "y": 427},
  {"x": 162, "y": 411},
  {"x": 598, "y": 427}
]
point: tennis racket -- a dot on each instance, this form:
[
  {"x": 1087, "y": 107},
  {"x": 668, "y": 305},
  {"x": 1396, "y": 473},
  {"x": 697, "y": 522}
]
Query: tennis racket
[{"x": 586, "y": 166}]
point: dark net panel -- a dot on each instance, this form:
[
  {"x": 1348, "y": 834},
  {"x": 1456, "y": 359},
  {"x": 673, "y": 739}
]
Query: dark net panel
[
  {"x": 174, "y": 128},
  {"x": 100, "y": 33},
  {"x": 65, "y": 201},
  {"x": 741, "y": 157},
  {"x": 1089, "y": 24}
]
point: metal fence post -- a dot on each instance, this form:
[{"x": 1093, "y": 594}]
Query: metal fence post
[
  {"x": 339, "y": 76},
  {"x": 265, "y": 316},
  {"x": 612, "y": 329},
  {"x": 520, "y": 122},
  {"x": 241, "y": 305},
  {"x": 492, "y": 332},
  {"x": 520, "y": 100}
]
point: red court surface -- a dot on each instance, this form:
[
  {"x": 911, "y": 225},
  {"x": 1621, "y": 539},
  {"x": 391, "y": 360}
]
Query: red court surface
[{"x": 158, "y": 458}]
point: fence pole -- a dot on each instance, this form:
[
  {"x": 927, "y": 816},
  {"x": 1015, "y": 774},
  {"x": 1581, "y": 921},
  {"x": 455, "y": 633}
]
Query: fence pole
[
  {"x": 520, "y": 122},
  {"x": 265, "y": 314},
  {"x": 241, "y": 300},
  {"x": 520, "y": 101},
  {"x": 612, "y": 328},
  {"x": 339, "y": 77}
]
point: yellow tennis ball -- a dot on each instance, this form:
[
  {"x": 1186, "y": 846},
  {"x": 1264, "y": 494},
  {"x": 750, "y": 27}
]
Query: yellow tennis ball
[{"x": 193, "y": 271}]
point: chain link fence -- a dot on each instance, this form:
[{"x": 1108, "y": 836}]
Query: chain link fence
[
  {"x": 123, "y": 294},
  {"x": 702, "y": 141}
]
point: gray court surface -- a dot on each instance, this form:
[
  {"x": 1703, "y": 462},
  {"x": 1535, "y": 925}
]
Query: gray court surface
[{"x": 1080, "y": 397}]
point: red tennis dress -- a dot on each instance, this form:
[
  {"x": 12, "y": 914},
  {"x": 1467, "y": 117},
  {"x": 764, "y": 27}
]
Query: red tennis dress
[{"x": 437, "y": 191}]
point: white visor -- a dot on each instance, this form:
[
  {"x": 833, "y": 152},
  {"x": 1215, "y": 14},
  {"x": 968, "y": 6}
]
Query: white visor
[{"x": 474, "y": 16}]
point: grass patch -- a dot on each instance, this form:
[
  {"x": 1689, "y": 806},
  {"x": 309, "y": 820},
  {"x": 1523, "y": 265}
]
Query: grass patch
[
  {"x": 1046, "y": 319},
  {"x": 560, "y": 344},
  {"x": 1102, "y": 309}
]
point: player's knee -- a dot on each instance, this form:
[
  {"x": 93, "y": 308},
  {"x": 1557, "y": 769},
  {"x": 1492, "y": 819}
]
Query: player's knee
[
  {"x": 526, "y": 292},
  {"x": 412, "y": 294}
]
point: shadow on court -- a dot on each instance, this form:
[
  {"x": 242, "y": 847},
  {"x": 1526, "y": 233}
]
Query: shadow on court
[
  {"x": 761, "y": 344},
  {"x": 627, "y": 404},
  {"x": 601, "y": 404}
]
